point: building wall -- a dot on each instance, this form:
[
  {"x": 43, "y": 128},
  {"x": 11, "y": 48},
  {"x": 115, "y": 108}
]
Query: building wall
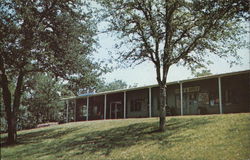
[
  {"x": 138, "y": 98},
  {"x": 199, "y": 97},
  {"x": 170, "y": 100},
  {"x": 155, "y": 94},
  {"x": 236, "y": 93}
]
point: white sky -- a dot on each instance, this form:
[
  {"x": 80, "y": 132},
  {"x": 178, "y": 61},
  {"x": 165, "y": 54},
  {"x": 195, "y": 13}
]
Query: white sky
[{"x": 144, "y": 74}]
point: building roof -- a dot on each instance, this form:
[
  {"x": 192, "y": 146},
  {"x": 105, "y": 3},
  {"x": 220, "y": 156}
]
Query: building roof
[{"x": 156, "y": 85}]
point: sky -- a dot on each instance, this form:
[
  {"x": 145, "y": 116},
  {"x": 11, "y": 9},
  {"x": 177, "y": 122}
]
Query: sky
[{"x": 145, "y": 74}]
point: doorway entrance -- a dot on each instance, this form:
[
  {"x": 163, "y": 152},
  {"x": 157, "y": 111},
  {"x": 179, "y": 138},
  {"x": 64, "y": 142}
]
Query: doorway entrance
[
  {"x": 190, "y": 104},
  {"x": 115, "y": 109}
]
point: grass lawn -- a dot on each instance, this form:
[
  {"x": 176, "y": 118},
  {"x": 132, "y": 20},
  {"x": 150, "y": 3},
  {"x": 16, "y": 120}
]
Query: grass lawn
[{"x": 223, "y": 137}]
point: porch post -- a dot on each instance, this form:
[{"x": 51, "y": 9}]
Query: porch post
[
  {"x": 105, "y": 105},
  {"x": 150, "y": 101},
  {"x": 124, "y": 104},
  {"x": 220, "y": 97},
  {"x": 87, "y": 108},
  {"x": 181, "y": 95},
  {"x": 75, "y": 110},
  {"x": 67, "y": 111}
]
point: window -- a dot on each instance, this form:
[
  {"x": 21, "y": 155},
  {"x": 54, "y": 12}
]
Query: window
[{"x": 136, "y": 105}]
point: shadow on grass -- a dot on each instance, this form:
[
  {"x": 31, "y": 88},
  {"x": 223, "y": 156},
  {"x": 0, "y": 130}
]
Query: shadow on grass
[
  {"x": 103, "y": 142},
  {"x": 39, "y": 135}
]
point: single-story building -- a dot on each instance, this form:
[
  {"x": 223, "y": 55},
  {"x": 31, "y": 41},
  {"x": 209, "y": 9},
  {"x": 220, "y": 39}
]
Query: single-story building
[{"x": 214, "y": 94}]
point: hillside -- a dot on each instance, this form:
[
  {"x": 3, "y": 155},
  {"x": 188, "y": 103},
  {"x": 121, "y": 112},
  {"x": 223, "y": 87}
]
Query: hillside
[{"x": 224, "y": 137}]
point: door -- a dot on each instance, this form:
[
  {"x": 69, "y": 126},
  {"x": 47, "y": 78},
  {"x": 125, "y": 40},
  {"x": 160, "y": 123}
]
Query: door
[
  {"x": 115, "y": 110},
  {"x": 190, "y": 105}
]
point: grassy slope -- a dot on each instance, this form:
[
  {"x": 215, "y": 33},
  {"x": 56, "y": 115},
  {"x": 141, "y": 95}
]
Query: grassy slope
[{"x": 189, "y": 137}]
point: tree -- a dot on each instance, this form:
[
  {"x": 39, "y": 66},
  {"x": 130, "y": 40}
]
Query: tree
[
  {"x": 168, "y": 32},
  {"x": 116, "y": 84},
  {"x": 43, "y": 36},
  {"x": 204, "y": 72},
  {"x": 42, "y": 98}
]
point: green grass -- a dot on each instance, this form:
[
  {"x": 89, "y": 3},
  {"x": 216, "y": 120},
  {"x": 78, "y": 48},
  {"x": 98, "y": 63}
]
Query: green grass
[{"x": 224, "y": 137}]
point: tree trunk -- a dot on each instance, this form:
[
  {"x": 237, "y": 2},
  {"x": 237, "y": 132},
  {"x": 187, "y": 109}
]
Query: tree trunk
[
  {"x": 9, "y": 113},
  {"x": 11, "y": 109},
  {"x": 7, "y": 103},
  {"x": 16, "y": 104},
  {"x": 163, "y": 103},
  {"x": 11, "y": 129}
]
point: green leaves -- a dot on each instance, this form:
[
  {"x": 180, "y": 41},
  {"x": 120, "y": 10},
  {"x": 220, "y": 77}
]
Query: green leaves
[
  {"x": 42, "y": 98},
  {"x": 54, "y": 36},
  {"x": 169, "y": 32},
  {"x": 46, "y": 36}
]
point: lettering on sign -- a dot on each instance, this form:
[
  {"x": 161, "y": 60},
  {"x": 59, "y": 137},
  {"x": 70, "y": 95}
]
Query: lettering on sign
[{"x": 189, "y": 89}]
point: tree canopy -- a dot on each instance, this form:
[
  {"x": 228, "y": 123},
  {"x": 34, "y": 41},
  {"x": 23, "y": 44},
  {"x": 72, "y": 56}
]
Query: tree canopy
[
  {"x": 114, "y": 85},
  {"x": 44, "y": 36}
]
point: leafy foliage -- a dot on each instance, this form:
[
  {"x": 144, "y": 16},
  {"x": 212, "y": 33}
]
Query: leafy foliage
[
  {"x": 168, "y": 32},
  {"x": 47, "y": 36},
  {"x": 42, "y": 36},
  {"x": 204, "y": 72},
  {"x": 42, "y": 98},
  {"x": 116, "y": 84}
]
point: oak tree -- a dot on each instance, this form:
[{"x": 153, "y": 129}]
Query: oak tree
[
  {"x": 168, "y": 32},
  {"x": 43, "y": 36}
]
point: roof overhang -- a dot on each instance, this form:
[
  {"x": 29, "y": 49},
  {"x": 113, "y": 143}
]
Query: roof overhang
[{"x": 156, "y": 85}]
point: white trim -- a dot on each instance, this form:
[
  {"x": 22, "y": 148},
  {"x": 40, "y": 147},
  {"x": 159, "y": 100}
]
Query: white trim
[
  {"x": 110, "y": 107},
  {"x": 105, "y": 105},
  {"x": 124, "y": 104},
  {"x": 67, "y": 111},
  {"x": 220, "y": 94},
  {"x": 87, "y": 118},
  {"x": 181, "y": 96},
  {"x": 150, "y": 101},
  {"x": 75, "y": 110}
]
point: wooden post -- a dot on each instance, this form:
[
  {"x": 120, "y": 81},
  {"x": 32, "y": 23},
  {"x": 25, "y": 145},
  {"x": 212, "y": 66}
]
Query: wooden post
[
  {"x": 105, "y": 105},
  {"x": 150, "y": 102},
  {"x": 67, "y": 111},
  {"x": 87, "y": 108},
  {"x": 181, "y": 95},
  {"x": 124, "y": 106},
  {"x": 220, "y": 95}
]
